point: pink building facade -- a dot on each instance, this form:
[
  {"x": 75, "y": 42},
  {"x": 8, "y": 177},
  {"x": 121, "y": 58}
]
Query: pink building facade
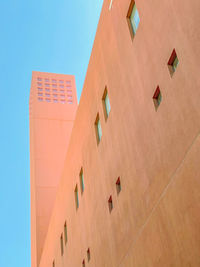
[
  {"x": 128, "y": 192},
  {"x": 53, "y": 104}
]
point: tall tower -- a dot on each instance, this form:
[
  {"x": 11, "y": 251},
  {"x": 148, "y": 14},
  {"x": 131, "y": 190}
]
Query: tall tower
[{"x": 53, "y": 104}]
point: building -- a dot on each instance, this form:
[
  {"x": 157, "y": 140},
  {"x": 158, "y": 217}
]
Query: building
[
  {"x": 53, "y": 104},
  {"x": 129, "y": 190}
]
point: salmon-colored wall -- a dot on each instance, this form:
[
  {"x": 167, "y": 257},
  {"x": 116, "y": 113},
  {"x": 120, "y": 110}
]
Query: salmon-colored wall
[
  {"x": 50, "y": 129},
  {"x": 155, "y": 218}
]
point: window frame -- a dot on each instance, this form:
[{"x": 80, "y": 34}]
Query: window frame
[
  {"x": 98, "y": 133},
  {"x": 105, "y": 107},
  {"x": 76, "y": 196},
  {"x": 65, "y": 232},
  {"x": 61, "y": 245},
  {"x": 88, "y": 254},
  {"x": 157, "y": 98},
  {"x": 110, "y": 204},
  {"x": 173, "y": 62},
  {"x": 81, "y": 177},
  {"x": 129, "y": 14}
]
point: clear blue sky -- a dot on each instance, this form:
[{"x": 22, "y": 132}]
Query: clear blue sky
[{"x": 41, "y": 35}]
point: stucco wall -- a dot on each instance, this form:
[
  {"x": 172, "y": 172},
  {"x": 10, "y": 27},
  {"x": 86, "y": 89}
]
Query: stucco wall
[{"x": 155, "y": 219}]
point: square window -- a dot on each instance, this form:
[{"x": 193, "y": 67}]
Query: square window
[
  {"x": 133, "y": 18},
  {"x": 76, "y": 197},
  {"x": 118, "y": 185},
  {"x": 98, "y": 129},
  {"x": 110, "y": 203},
  {"x": 106, "y": 103},
  {"x": 173, "y": 62},
  {"x": 81, "y": 181},
  {"x": 61, "y": 244},
  {"x": 88, "y": 254},
  {"x": 157, "y": 97},
  {"x": 65, "y": 232}
]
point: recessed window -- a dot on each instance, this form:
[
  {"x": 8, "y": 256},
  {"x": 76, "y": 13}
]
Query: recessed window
[
  {"x": 133, "y": 18},
  {"x": 47, "y": 99},
  {"x": 173, "y": 62},
  {"x": 157, "y": 97},
  {"x": 47, "y": 84},
  {"x": 61, "y": 244},
  {"x": 98, "y": 129},
  {"x": 65, "y": 232},
  {"x": 40, "y": 99},
  {"x": 54, "y": 81},
  {"x": 54, "y": 85},
  {"x": 61, "y": 85},
  {"x": 61, "y": 81},
  {"x": 40, "y": 89},
  {"x": 40, "y": 94},
  {"x": 106, "y": 103},
  {"x": 81, "y": 181},
  {"x": 39, "y": 84},
  {"x": 118, "y": 185},
  {"x": 47, "y": 89},
  {"x": 110, "y": 203},
  {"x": 83, "y": 263},
  {"x": 46, "y": 80},
  {"x": 76, "y": 197},
  {"x": 39, "y": 79},
  {"x": 55, "y": 100},
  {"x": 88, "y": 254}
]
